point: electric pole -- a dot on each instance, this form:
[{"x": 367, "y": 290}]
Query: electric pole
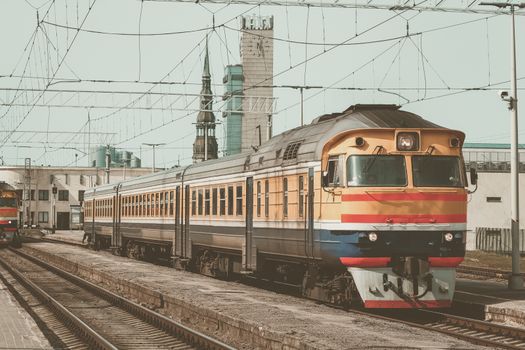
[
  {"x": 515, "y": 279},
  {"x": 153, "y": 145}
]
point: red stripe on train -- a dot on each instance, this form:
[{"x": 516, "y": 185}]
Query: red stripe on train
[
  {"x": 365, "y": 262},
  {"x": 404, "y": 219},
  {"x": 438, "y": 261},
  {"x": 431, "y": 196},
  {"x": 402, "y": 304},
  {"x": 4, "y": 211}
]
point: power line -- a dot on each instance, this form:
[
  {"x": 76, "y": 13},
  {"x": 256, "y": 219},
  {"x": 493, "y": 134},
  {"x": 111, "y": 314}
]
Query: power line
[{"x": 354, "y": 4}]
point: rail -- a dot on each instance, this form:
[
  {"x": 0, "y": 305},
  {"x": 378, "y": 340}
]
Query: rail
[{"x": 182, "y": 332}]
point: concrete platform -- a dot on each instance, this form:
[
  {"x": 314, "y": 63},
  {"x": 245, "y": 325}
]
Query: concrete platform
[
  {"x": 491, "y": 300},
  {"x": 485, "y": 299},
  {"x": 17, "y": 329},
  {"x": 246, "y": 317},
  {"x": 68, "y": 236}
]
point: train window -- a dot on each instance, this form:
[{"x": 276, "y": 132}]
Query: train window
[
  {"x": 301, "y": 196},
  {"x": 207, "y": 201},
  {"x": 200, "y": 200},
  {"x": 222, "y": 201},
  {"x": 258, "y": 198},
  {"x": 238, "y": 205},
  {"x": 285, "y": 197},
  {"x": 193, "y": 202},
  {"x": 266, "y": 198},
  {"x": 437, "y": 171},
  {"x": 230, "y": 200},
  {"x": 332, "y": 175},
  {"x": 214, "y": 201},
  {"x": 7, "y": 202},
  {"x": 376, "y": 170}
]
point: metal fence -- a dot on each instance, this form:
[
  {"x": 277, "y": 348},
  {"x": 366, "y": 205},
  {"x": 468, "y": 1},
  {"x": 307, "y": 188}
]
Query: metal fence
[{"x": 497, "y": 240}]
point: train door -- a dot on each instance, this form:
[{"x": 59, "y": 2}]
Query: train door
[
  {"x": 185, "y": 241},
  {"x": 249, "y": 250},
  {"x": 310, "y": 214},
  {"x": 116, "y": 237},
  {"x": 177, "y": 247}
]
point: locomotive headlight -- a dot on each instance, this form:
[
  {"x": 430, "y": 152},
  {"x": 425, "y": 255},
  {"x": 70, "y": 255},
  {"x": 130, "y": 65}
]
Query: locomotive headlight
[
  {"x": 9, "y": 222},
  {"x": 449, "y": 237},
  {"x": 407, "y": 141},
  {"x": 372, "y": 236}
]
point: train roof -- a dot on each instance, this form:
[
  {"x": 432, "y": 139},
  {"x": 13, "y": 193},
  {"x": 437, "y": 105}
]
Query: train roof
[
  {"x": 4, "y": 186},
  {"x": 298, "y": 145}
]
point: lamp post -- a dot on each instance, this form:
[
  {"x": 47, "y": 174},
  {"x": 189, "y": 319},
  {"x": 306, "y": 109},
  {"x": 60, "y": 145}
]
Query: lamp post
[
  {"x": 153, "y": 145},
  {"x": 515, "y": 279},
  {"x": 54, "y": 192}
]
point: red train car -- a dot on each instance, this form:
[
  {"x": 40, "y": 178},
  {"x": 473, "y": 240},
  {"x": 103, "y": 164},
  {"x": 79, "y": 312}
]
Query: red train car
[{"x": 8, "y": 214}]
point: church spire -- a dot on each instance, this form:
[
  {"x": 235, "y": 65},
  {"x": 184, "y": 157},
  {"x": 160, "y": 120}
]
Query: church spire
[{"x": 205, "y": 145}]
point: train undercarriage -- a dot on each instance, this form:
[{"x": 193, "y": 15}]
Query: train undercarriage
[{"x": 312, "y": 280}]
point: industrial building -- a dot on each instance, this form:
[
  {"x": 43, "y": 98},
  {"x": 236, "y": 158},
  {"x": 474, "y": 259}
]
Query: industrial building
[{"x": 118, "y": 158}]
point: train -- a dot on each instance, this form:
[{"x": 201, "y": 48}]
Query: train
[
  {"x": 364, "y": 206},
  {"x": 8, "y": 215}
]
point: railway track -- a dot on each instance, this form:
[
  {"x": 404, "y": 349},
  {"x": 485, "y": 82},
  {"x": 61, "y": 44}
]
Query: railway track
[
  {"x": 484, "y": 272},
  {"x": 475, "y": 331},
  {"x": 472, "y": 330},
  {"x": 95, "y": 317}
]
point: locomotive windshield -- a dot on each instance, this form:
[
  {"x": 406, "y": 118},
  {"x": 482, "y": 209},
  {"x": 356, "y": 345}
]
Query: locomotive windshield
[
  {"x": 7, "y": 202},
  {"x": 437, "y": 171},
  {"x": 376, "y": 170}
]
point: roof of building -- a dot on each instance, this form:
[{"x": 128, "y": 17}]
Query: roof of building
[{"x": 485, "y": 145}]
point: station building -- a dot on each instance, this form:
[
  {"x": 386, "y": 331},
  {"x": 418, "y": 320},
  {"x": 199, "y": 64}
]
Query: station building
[
  {"x": 54, "y": 195},
  {"x": 488, "y": 216}
]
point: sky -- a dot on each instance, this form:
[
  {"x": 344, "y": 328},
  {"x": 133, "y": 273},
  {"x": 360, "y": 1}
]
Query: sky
[{"x": 422, "y": 61}]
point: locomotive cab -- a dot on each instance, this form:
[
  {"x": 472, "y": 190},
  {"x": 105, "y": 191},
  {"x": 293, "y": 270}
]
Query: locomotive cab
[{"x": 395, "y": 201}]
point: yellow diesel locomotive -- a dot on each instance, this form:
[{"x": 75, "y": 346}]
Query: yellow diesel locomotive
[{"x": 366, "y": 205}]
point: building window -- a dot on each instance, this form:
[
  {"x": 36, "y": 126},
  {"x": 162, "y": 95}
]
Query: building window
[
  {"x": 207, "y": 202},
  {"x": 285, "y": 197},
  {"x": 43, "y": 217},
  {"x": 32, "y": 195},
  {"x": 63, "y": 195},
  {"x": 301, "y": 196},
  {"x": 222, "y": 201},
  {"x": 493, "y": 199},
  {"x": 266, "y": 198},
  {"x": 193, "y": 202},
  {"x": 214, "y": 202},
  {"x": 43, "y": 195},
  {"x": 81, "y": 195},
  {"x": 200, "y": 202},
  {"x": 258, "y": 198},
  {"x": 230, "y": 200},
  {"x": 238, "y": 204}
]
